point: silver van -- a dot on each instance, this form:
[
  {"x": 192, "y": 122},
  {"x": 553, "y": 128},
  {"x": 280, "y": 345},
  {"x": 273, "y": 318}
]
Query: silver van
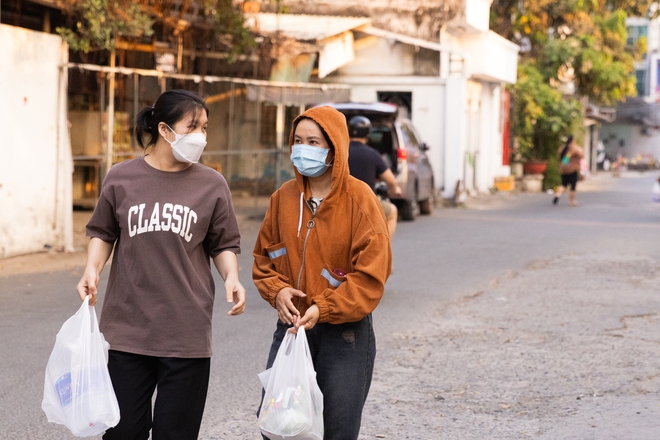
[{"x": 403, "y": 151}]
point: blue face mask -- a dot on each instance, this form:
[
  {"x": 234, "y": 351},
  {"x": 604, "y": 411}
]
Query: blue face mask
[{"x": 308, "y": 160}]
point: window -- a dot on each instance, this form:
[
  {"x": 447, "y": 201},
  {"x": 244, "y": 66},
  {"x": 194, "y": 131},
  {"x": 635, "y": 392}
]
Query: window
[
  {"x": 635, "y": 32},
  {"x": 402, "y": 99},
  {"x": 409, "y": 137},
  {"x": 640, "y": 75}
]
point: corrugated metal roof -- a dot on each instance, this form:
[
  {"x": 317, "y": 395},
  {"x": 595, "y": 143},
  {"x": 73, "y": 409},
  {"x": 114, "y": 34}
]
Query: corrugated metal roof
[{"x": 303, "y": 27}]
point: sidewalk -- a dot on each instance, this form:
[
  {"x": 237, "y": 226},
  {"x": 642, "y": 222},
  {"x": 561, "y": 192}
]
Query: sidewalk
[{"x": 592, "y": 182}]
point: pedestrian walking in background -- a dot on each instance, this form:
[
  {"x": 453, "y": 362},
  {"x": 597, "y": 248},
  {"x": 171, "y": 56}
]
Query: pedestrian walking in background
[
  {"x": 166, "y": 216},
  {"x": 366, "y": 164},
  {"x": 570, "y": 155},
  {"x": 321, "y": 260}
]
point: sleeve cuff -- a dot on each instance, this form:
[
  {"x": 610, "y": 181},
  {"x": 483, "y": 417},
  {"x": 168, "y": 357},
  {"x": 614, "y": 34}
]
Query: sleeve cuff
[
  {"x": 324, "y": 310},
  {"x": 274, "y": 288}
]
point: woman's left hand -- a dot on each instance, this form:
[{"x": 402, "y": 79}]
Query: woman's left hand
[
  {"x": 236, "y": 293},
  {"x": 227, "y": 265},
  {"x": 308, "y": 321}
]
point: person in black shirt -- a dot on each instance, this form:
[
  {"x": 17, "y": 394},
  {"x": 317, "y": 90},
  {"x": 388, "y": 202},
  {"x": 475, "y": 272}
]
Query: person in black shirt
[{"x": 366, "y": 164}]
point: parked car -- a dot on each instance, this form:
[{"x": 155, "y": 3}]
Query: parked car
[{"x": 403, "y": 151}]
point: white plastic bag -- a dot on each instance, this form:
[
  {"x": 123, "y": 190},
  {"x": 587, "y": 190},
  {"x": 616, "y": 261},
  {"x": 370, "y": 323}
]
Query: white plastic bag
[
  {"x": 655, "y": 193},
  {"x": 77, "y": 390},
  {"x": 292, "y": 408}
]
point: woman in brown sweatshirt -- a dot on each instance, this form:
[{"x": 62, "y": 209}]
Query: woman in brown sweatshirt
[{"x": 321, "y": 260}]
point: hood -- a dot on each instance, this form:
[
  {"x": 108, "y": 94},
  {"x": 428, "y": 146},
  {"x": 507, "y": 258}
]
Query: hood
[{"x": 333, "y": 123}]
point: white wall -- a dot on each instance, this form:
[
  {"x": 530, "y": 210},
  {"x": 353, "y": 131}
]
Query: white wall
[
  {"x": 454, "y": 156},
  {"x": 653, "y": 44},
  {"x": 454, "y": 117},
  {"x": 36, "y": 164},
  {"x": 381, "y": 57},
  {"x": 459, "y": 119},
  {"x": 491, "y": 57},
  {"x": 427, "y": 108},
  {"x": 635, "y": 142},
  {"x": 491, "y": 159},
  {"x": 477, "y": 14},
  {"x": 482, "y": 137}
]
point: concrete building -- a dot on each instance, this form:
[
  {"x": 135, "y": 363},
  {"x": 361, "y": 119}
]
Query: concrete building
[
  {"x": 636, "y": 130},
  {"x": 452, "y": 88}
]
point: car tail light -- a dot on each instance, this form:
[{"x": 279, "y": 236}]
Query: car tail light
[{"x": 401, "y": 154}]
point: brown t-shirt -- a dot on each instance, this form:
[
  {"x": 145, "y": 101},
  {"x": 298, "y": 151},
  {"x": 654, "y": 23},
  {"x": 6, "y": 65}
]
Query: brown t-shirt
[{"x": 166, "y": 226}]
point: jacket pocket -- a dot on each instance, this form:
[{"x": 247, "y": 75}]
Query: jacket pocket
[
  {"x": 278, "y": 256},
  {"x": 334, "y": 278}
]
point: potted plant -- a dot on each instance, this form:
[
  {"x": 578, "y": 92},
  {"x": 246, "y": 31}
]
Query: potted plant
[{"x": 535, "y": 166}]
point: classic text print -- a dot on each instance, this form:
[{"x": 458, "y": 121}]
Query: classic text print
[{"x": 175, "y": 218}]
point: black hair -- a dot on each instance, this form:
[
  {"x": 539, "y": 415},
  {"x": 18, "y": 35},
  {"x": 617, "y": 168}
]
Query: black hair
[
  {"x": 325, "y": 135},
  {"x": 566, "y": 147},
  {"x": 170, "y": 108}
]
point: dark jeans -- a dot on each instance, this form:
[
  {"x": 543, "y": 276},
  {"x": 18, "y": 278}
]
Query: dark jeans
[
  {"x": 182, "y": 386},
  {"x": 343, "y": 356}
]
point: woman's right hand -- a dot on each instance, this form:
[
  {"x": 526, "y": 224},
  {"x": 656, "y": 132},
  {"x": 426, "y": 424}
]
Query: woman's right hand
[
  {"x": 284, "y": 304},
  {"x": 87, "y": 284},
  {"x": 98, "y": 253}
]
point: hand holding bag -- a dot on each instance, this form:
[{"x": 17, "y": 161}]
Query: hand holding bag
[
  {"x": 78, "y": 392},
  {"x": 292, "y": 407}
]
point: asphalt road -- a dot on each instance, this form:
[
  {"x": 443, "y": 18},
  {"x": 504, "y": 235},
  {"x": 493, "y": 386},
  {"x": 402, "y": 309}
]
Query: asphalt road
[{"x": 446, "y": 268}]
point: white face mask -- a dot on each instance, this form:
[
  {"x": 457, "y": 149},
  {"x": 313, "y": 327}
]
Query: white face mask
[{"x": 187, "y": 147}]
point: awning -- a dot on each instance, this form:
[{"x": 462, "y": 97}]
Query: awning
[
  {"x": 299, "y": 94},
  {"x": 330, "y": 35},
  {"x": 303, "y": 27},
  {"x": 256, "y": 90},
  {"x": 405, "y": 39}
]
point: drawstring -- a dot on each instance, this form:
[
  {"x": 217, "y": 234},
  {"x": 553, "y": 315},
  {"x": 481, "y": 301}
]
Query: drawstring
[{"x": 301, "y": 213}]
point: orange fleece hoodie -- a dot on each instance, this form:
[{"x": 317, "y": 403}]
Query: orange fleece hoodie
[{"x": 339, "y": 257}]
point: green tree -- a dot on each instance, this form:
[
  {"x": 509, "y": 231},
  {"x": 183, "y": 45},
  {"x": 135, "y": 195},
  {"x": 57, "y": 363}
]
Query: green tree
[
  {"x": 593, "y": 56},
  {"x": 540, "y": 115},
  {"x": 566, "y": 42},
  {"x": 228, "y": 26},
  {"x": 98, "y": 23}
]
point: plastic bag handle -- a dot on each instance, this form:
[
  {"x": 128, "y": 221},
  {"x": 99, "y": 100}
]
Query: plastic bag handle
[
  {"x": 94, "y": 319},
  {"x": 305, "y": 346}
]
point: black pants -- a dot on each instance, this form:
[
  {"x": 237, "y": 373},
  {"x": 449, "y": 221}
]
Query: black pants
[
  {"x": 343, "y": 357},
  {"x": 569, "y": 180},
  {"x": 182, "y": 385}
]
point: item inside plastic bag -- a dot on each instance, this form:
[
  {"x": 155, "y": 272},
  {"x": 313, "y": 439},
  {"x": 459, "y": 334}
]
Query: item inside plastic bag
[
  {"x": 292, "y": 407},
  {"x": 78, "y": 392}
]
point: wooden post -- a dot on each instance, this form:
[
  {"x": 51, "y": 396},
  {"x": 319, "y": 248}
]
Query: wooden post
[{"x": 111, "y": 115}]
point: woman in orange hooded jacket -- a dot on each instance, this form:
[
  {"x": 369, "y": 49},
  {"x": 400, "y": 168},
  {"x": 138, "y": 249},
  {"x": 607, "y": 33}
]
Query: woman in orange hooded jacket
[{"x": 321, "y": 260}]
